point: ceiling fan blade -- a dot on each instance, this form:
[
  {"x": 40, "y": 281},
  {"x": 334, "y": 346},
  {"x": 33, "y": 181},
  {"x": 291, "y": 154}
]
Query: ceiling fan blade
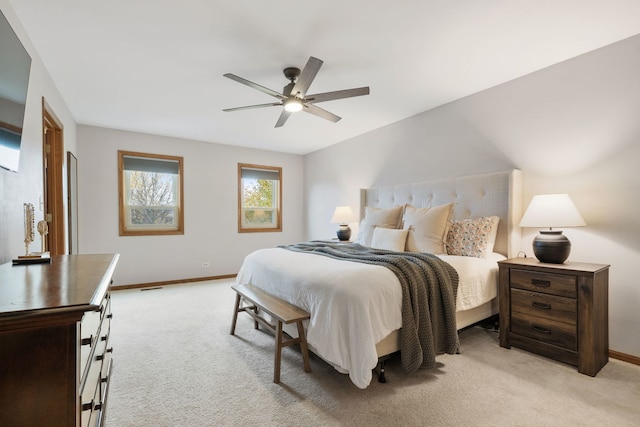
[
  {"x": 317, "y": 111},
  {"x": 306, "y": 77},
  {"x": 338, "y": 94},
  {"x": 255, "y": 86},
  {"x": 283, "y": 118},
  {"x": 249, "y": 107}
]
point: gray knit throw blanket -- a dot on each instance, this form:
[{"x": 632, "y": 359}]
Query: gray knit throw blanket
[{"x": 429, "y": 288}]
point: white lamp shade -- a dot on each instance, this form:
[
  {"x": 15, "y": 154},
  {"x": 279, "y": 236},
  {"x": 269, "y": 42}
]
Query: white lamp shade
[
  {"x": 551, "y": 210},
  {"x": 343, "y": 215}
]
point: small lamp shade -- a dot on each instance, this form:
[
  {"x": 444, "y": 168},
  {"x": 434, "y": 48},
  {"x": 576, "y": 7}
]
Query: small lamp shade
[
  {"x": 343, "y": 215},
  {"x": 549, "y": 211}
]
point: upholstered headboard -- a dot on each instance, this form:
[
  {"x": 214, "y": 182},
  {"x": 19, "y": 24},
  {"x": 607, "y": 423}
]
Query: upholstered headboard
[{"x": 473, "y": 196}]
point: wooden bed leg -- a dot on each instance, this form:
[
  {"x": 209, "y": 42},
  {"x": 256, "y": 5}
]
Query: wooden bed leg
[{"x": 381, "y": 377}]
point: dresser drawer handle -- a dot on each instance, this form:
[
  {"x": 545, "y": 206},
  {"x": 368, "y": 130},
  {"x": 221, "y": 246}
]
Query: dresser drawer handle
[
  {"x": 541, "y": 283},
  {"x": 87, "y": 406},
  {"x": 541, "y": 305},
  {"x": 541, "y": 329},
  {"x": 86, "y": 341},
  {"x": 110, "y": 316}
]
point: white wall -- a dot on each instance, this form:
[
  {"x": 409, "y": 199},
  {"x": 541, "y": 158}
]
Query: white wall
[
  {"x": 210, "y": 207},
  {"x": 25, "y": 186},
  {"x": 573, "y": 127}
]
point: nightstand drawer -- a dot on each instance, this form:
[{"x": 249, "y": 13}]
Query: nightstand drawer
[
  {"x": 539, "y": 328},
  {"x": 549, "y": 283},
  {"x": 559, "y": 309}
]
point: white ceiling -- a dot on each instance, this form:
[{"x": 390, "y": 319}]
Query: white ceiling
[{"x": 156, "y": 66}]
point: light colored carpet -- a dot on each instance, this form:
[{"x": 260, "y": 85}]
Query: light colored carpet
[{"x": 175, "y": 364}]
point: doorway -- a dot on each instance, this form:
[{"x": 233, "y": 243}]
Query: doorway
[{"x": 53, "y": 197}]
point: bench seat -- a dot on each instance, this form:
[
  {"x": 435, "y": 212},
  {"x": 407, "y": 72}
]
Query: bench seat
[{"x": 281, "y": 312}]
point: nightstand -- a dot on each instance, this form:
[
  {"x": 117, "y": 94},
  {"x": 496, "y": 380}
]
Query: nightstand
[{"x": 560, "y": 311}]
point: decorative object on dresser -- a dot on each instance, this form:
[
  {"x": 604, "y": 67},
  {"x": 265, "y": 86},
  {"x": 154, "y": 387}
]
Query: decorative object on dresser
[
  {"x": 548, "y": 211},
  {"x": 29, "y": 237},
  {"x": 556, "y": 310},
  {"x": 343, "y": 215},
  {"x": 55, "y": 354}
]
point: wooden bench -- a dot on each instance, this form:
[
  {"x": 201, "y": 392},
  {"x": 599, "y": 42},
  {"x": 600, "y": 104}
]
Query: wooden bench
[{"x": 281, "y": 312}]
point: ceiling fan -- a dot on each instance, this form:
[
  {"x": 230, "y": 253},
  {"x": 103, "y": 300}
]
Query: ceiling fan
[{"x": 294, "y": 95}]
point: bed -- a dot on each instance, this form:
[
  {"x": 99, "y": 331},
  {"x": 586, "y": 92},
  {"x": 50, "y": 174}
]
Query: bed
[{"x": 356, "y": 308}]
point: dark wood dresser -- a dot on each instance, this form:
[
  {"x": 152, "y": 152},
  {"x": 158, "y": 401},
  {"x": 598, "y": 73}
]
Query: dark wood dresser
[
  {"x": 556, "y": 310},
  {"x": 55, "y": 356}
]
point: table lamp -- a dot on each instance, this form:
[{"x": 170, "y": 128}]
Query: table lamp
[
  {"x": 549, "y": 211},
  {"x": 343, "y": 215}
]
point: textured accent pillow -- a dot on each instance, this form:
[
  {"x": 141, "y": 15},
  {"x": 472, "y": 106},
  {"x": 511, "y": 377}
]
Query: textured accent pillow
[
  {"x": 377, "y": 217},
  {"x": 427, "y": 228},
  {"x": 389, "y": 239},
  {"x": 472, "y": 237}
]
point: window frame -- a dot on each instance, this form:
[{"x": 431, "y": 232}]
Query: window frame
[
  {"x": 124, "y": 228},
  {"x": 278, "y": 226}
]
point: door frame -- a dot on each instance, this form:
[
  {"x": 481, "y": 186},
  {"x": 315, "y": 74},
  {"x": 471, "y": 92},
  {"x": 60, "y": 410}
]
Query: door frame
[{"x": 52, "y": 173}]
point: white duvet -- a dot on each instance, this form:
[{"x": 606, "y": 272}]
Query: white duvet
[{"x": 353, "y": 305}]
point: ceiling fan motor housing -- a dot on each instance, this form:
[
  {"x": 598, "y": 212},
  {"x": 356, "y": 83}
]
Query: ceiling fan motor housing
[{"x": 291, "y": 73}]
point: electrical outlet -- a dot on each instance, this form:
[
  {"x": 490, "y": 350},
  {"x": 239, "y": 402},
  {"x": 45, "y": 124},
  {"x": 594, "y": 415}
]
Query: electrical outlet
[{"x": 205, "y": 265}]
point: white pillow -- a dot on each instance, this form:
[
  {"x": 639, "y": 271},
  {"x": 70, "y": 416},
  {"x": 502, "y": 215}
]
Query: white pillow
[
  {"x": 472, "y": 237},
  {"x": 377, "y": 217},
  {"x": 389, "y": 239},
  {"x": 427, "y": 228}
]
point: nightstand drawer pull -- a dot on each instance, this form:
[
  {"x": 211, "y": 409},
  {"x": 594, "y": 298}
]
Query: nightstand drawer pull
[
  {"x": 541, "y": 283},
  {"x": 541, "y": 329},
  {"x": 541, "y": 305}
]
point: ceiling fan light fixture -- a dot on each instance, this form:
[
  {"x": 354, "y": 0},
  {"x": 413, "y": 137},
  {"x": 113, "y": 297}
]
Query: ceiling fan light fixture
[
  {"x": 293, "y": 105},
  {"x": 294, "y": 96}
]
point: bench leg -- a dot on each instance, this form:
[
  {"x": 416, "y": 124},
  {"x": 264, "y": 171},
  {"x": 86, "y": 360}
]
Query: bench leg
[
  {"x": 255, "y": 322},
  {"x": 235, "y": 314},
  {"x": 276, "y": 365},
  {"x": 303, "y": 347}
]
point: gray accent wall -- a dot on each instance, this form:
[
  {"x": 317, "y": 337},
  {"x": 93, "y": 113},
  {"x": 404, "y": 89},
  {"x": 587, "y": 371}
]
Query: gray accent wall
[{"x": 571, "y": 128}]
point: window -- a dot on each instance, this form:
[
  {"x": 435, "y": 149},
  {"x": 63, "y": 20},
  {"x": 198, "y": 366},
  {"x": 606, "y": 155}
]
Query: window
[
  {"x": 259, "y": 198},
  {"x": 150, "y": 190}
]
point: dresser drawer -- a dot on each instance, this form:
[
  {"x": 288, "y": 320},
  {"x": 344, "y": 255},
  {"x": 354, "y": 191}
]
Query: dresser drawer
[
  {"x": 552, "y": 307},
  {"x": 105, "y": 332},
  {"x": 89, "y": 332},
  {"x": 89, "y": 329},
  {"x": 542, "y": 329},
  {"x": 90, "y": 390},
  {"x": 549, "y": 283}
]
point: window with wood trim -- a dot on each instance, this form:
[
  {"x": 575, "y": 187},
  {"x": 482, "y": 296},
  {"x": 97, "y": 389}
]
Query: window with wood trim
[
  {"x": 150, "y": 194},
  {"x": 259, "y": 198}
]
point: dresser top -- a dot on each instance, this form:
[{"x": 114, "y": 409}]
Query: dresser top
[{"x": 69, "y": 283}]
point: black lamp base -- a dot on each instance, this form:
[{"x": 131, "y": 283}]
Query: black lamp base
[
  {"x": 551, "y": 246},
  {"x": 344, "y": 233}
]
